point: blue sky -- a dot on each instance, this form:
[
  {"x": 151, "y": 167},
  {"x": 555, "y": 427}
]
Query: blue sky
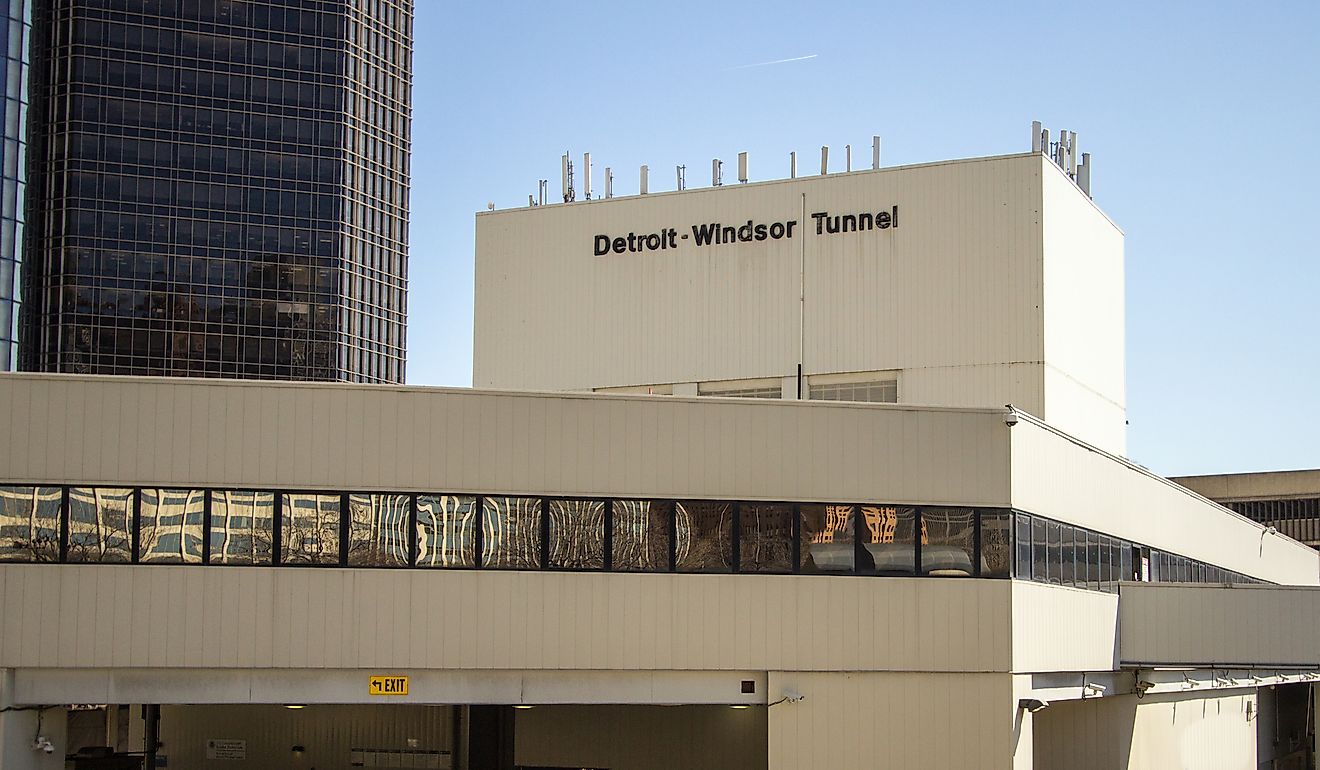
[{"x": 1200, "y": 117}]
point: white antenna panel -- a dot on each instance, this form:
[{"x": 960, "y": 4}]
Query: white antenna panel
[{"x": 586, "y": 175}]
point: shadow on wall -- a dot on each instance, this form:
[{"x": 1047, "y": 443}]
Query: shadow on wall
[{"x": 1183, "y": 730}]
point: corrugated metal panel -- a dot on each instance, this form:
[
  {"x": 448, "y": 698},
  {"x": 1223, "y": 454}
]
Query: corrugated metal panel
[
  {"x": 68, "y": 616},
  {"x": 868, "y": 720},
  {"x": 1072, "y": 483},
  {"x": 1056, "y": 628},
  {"x": 171, "y": 432},
  {"x": 1242, "y": 625}
]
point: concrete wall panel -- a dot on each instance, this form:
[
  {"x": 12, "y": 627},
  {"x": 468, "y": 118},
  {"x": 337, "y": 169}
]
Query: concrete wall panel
[
  {"x": 286, "y": 618},
  {"x": 155, "y": 431},
  {"x": 866, "y": 720},
  {"x": 1223, "y": 626}
]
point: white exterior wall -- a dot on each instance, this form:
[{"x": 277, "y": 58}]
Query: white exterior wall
[
  {"x": 861, "y": 720},
  {"x": 1193, "y": 732},
  {"x": 959, "y": 297},
  {"x": 1222, "y": 626},
  {"x": 162, "y": 617},
  {"x": 214, "y": 433},
  {"x": 1084, "y": 316},
  {"x": 1059, "y": 478},
  {"x": 1059, "y": 628}
]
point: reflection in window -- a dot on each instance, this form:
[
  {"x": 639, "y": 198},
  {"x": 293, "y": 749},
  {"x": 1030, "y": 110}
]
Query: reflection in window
[
  {"x": 1053, "y": 551},
  {"x": 511, "y": 532},
  {"x": 949, "y": 544},
  {"x": 996, "y": 544},
  {"x": 1038, "y": 560},
  {"x": 641, "y": 535},
  {"x": 241, "y": 527},
  {"x": 1024, "y": 562},
  {"x": 577, "y": 534},
  {"x": 170, "y": 531},
  {"x": 765, "y": 537},
  {"x": 100, "y": 523},
  {"x": 446, "y": 531},
  {"x": 1068, "y": 558},
  {"x": 29, "y": 523},
  {"x": 828, "y": 542},
  {"x": 378, "y": 530},
  {"x": 309, "y": 529},
  {"x": 705, "y": 536},
  {"x": 889, "y": 544}
]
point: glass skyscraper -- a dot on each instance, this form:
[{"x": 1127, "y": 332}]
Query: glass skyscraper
[
  {"x": 17, "y": 17},
  {"x": 219, "y": 188}
]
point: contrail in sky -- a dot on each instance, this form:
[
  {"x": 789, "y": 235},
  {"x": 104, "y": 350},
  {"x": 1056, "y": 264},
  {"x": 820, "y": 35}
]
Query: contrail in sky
[{"x": 776, "y": 61}]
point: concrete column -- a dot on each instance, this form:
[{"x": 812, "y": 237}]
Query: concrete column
[
  {"x": 789, "y": 388},
  {"x": 20, "y": 726}
]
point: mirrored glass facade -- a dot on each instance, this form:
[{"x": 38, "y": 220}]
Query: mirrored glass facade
[
  {"x": 14, "y": 39},
  {"x": 220, "y": 188},
  {"x": 54, "y": 523}
]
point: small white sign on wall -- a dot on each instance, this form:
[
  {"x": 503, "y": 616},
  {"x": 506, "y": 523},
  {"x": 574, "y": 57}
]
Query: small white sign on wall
[{"x": 226, "y": 748}]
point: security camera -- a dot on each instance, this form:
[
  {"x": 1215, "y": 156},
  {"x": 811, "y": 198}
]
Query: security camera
[
  {"x": 1011, "y": 416},
  {"x": 1033, "y": 704},
  {"x": 49, "y": 748},
  {"x": 42, "y": 743}
]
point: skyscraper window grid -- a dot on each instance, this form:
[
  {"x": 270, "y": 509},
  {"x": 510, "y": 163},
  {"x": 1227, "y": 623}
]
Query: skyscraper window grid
[
  {"x": 17, "y": 17},
  {"x": 194, "y": 212}
]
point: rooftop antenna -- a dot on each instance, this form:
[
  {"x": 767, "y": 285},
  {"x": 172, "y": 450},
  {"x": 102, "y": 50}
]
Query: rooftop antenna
[
  {"x": 566, "y": 177},
  {"x": 716, "y": 172},
  {"x": 586, "y": 175},
  {"x": 531, "y": 200},
  {"x": 847, "y": 157},
  {"x": 1084, "y": 174},
  {"x": 541, "y": 191},
  {"x": 742, "y": 167},
  {"x": 1035, "y": 136},
  {"x": 645, "y": 172},
  {"x": 875, "y": 152},
  {"x": 682, "y": 176},
  {"x": 824, "y": 160},
  {"x": 609, "y": 183},
  {"x": 1072, "y": 154},
  {"x": 792, "y": 165}
]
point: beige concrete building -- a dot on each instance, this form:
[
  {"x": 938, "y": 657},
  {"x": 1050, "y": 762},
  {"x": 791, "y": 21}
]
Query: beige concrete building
[
  {"x": 975, "y": 283},
  {"x": 882, "y": 566},
  {"x": 1288, "y": 501}
]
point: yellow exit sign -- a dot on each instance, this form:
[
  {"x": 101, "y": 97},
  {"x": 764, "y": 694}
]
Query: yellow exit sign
[{"x": 388, "y": 685}]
